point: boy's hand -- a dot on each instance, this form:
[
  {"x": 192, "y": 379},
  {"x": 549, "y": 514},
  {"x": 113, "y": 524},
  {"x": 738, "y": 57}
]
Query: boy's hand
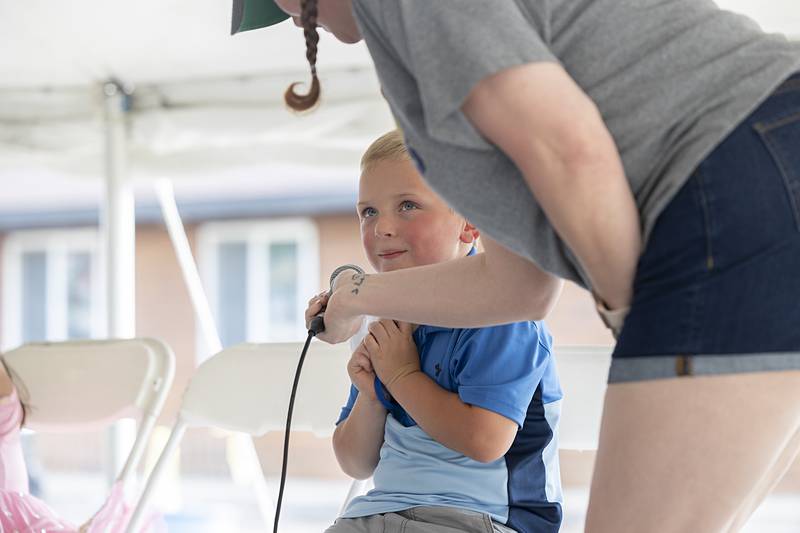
[
  {"x": 391, "y": 350},
  {"x": 361, "y": 373}
]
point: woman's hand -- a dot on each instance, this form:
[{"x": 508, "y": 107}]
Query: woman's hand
[
  {"x": 391, "y": 350},
  {"x": 316, "y": 305},
  {"x": 340, "y": 324}
]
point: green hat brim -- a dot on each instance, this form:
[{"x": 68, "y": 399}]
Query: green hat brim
[{"x": 254, "y": 14}]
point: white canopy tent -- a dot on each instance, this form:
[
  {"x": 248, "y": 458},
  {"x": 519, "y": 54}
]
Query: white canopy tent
[{"x": 206, "y": 109}]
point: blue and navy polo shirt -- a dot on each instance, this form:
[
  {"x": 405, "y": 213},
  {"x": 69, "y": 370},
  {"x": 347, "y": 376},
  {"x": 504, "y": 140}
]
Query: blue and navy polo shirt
[{"x": 506, "y": 369}]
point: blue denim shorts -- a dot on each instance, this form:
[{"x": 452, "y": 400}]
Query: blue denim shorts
[{"x": 717, "y": 289}]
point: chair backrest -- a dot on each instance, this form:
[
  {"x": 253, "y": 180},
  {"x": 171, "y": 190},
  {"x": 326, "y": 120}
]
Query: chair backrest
[
  {"x": 76, "y": 385},
  {"x": 583, "y": 371},
  {"x": 246, "y": 388}
]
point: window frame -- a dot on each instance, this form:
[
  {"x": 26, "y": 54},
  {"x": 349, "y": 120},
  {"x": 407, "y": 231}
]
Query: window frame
[
  {"x": 56, "y": 244},
  {"x": 258, "y": 234}
]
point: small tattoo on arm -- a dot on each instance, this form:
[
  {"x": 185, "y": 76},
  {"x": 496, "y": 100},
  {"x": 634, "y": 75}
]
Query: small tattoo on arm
[{"x": 358, "y": 279}]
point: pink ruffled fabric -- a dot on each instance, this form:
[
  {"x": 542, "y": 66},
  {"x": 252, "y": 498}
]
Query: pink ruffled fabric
[
  {"x": 115, "y": 514},
  {"x": 23, "y": 513},
  {"x": 20, "y": 512}
]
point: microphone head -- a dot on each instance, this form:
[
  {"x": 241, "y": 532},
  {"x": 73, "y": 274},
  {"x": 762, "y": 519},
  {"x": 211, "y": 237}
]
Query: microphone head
[{"x": 341, "y": 269}]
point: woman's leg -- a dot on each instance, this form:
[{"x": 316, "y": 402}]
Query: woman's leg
[{"x": 690, "y": 454}]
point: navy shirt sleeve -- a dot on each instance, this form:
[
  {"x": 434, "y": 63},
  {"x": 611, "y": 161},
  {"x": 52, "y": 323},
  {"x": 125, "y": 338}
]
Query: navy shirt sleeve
[{"x": 351, "y": 401}]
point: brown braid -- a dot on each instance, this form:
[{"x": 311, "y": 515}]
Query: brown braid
[{"x": 308, "y": 17}]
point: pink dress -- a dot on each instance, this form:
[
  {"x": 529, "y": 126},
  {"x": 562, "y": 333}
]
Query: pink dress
[{"x": 21, "y": 512}]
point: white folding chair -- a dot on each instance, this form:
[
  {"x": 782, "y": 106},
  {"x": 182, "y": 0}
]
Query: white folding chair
[
  {"x": 583, "y": 371},
  {"x": 246, "y": 388},
  {"x": 77, "y": 385}
]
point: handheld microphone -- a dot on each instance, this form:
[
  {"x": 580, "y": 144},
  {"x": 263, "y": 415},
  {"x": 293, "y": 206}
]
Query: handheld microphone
[{"x": 317, "y": 325}]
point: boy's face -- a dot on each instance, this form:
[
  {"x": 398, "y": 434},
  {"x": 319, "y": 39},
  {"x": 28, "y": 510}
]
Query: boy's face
[{"x": 403, "y": 222}]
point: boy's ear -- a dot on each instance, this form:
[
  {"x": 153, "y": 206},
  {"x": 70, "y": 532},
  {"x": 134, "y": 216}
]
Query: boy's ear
[{"x": 470, "y": 233}]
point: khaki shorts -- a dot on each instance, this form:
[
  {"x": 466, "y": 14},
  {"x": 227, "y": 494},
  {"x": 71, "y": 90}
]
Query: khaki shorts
[{"x": 421, "y": 520}]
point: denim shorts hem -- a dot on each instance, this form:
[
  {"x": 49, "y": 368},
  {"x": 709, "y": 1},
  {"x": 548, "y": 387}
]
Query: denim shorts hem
[{"x": 628, "y": 369}]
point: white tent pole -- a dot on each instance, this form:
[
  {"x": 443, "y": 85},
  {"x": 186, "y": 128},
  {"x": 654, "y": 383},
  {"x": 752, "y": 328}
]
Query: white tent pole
[
  {"x": 119, "y": 233},
  {"x": 191, "y": 276},
  {"x": 202, "y": 308}
]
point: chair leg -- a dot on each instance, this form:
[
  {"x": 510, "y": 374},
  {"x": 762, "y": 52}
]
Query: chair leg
[
  {"x": 244, "y": 448},
  {"x": 152, "y": 481},
  {"x": 356, "y": 489}
]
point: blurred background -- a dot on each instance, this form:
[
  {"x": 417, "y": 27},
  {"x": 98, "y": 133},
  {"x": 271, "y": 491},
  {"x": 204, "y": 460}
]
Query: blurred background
[{"x": 101, "y": 100}]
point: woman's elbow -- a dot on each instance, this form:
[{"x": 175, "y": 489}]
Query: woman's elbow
[{"x": 542, "y": 296}]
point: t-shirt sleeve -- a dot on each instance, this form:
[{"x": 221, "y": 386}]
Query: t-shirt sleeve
[
  {"x": 499, "y": 368},
  {"x": 351, "y": 401},
  {"x": 452, "y": 45}
]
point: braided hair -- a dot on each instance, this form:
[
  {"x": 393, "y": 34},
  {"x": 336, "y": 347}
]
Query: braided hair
[{"x": 308, "y": 17}]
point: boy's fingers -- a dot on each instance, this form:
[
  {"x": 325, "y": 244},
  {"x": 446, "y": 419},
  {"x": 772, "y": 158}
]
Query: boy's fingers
[
  {"x": 364, "y": 362},
  {"x": 390, "y": 325},
  {"x": 378, "y": 331},
  {"x": 370, "y": 343},
  {"x": 406, "y": 327}
]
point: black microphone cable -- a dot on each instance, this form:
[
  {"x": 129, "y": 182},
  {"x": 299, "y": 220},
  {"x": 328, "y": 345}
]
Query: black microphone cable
[{"x": 316, "y": 327}]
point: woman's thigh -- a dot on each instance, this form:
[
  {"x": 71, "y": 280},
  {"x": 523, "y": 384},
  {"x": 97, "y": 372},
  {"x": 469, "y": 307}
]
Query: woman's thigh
[{"x": 690, "y": 454}]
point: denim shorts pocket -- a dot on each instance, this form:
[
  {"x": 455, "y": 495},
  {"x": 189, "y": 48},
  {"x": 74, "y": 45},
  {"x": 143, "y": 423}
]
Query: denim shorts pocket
[{"x": 782, "y": 139}]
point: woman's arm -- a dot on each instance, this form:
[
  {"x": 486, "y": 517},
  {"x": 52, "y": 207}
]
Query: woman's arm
[
  {"x": 358, "y": 439},
  {"x": 554, "y": 133},
  {"x": 508, "y": 287}
]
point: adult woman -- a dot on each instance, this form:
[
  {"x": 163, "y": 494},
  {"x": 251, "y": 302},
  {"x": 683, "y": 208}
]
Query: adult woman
[{"x": 571, "y": 132}]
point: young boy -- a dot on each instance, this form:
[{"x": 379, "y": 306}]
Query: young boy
[{"x": 456, "y": 426}]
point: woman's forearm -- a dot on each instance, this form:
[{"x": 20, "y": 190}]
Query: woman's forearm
[
  {"x": 495, "y": 287},
  {"x": 358, "y": 439}
]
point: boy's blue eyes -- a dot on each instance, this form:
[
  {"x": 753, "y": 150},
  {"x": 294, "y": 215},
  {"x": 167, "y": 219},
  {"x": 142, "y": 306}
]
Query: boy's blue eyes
[{"x": 406, "y": 205}]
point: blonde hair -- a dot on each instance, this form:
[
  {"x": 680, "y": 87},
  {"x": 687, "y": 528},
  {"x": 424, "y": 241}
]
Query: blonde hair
[{"x": 388, "y": 147}]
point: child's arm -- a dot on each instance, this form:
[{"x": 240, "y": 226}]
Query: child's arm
[
  {"x": 358, "y": 439},
  {"x": 478, "y": 433},
  {"x": 6, "y": 385}
]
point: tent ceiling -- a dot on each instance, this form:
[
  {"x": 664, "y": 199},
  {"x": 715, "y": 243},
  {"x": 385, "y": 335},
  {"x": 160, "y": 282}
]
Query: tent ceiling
[
  {"x": 63, "y": 44},
  {"x": 206, "y": 107}
]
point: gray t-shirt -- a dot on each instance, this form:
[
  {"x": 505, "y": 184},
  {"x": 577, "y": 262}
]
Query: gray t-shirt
[{"x": 671, "y": 78}]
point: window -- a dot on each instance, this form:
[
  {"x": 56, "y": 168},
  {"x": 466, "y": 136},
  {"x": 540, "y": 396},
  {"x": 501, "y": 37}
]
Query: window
[
  {"x": 51, "y": 286},
  {"x": 258, "y": 276}
]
